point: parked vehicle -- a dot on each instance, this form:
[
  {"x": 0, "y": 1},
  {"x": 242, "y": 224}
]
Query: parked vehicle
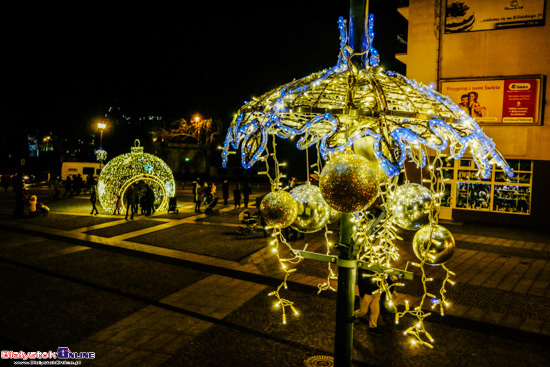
[{"x": 82, "y": 168}]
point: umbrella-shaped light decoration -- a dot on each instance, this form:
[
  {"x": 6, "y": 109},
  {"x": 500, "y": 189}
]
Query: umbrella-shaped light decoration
[
  {"x": 386, "y": 118},
  {"x": 343, "y": 104}
]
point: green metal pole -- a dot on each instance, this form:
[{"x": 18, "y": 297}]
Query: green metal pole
[
  {"x": 347, "y": 270},
  {"x": 343, "y": 345},
  {"x": 357, "y": 30},
  {"x": 347, "y": 264}
]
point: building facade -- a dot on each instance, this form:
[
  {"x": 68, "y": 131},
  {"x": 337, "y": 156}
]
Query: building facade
[{"x": 493, "y": 56}]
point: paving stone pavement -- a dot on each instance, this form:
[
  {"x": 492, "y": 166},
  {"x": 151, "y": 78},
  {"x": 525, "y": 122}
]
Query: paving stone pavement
[{"x": 154, "y": 334}]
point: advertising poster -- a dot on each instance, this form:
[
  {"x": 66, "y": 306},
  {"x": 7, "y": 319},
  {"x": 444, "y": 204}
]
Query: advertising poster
[
  {"x": 484, "y": 15},
  {"x": 520, "y": 101},
  {"x": 506, "y": 101}
]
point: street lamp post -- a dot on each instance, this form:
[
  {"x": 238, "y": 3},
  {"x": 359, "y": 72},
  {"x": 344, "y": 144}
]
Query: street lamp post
[{"x": 101, "y": 126}]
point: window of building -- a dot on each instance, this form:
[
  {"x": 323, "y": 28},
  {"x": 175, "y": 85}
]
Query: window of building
[{"x": 465, "y": 189}]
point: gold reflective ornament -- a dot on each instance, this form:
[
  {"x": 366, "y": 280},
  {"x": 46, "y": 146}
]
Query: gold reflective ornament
[
  {"x": 410, "y": 206},
  {"x": 365, "y": 148},
  {"x": 348, "y": 183},
  {"x": 313, "y": 211},
  {"x": 433, "y": 244},
  {"x": 279, "y": 209}
]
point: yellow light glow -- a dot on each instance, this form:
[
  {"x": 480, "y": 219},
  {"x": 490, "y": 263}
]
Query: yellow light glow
[{"x": 130, "y": 168}]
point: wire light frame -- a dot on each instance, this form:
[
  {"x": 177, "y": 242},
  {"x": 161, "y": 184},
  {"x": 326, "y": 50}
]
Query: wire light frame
[
  {"x": 130, "y": 168},
  {"x": 334, "y": 109}
]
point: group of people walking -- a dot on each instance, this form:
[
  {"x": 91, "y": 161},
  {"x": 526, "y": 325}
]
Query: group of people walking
[
  {"x": 140, "y": 194},
  {"x": 73, "y": 185},
  {"x": 243, "y": 192},
  {"x": 136, "y": 196},
  {"x": 203, "y": 194}
]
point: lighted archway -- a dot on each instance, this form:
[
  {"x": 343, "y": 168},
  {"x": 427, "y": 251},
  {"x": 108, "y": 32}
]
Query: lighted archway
[{"x": 134, "y": 167}]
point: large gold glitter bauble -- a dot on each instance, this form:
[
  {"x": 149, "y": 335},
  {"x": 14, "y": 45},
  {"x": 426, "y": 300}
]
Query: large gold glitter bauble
[
  {"x": 279, "y": 209},
  {"x": 410, "y": 206},
  {"x": 313, "y": 211},
  {"x": 348, "y": 183},
  {"x": 433, "y": 244}
]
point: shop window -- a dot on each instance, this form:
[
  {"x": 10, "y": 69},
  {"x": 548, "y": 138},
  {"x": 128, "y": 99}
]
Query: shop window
[
  {"x": 512, "y": 198},
  {"x": 473, "y": 196},
  {"x": 465, "y": 189}
]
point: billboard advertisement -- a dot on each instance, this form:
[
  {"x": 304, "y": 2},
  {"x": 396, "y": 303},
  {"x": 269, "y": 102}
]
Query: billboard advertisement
[
  {"x": 499, "y": 100},
  {"x": 484, "y": 15}
]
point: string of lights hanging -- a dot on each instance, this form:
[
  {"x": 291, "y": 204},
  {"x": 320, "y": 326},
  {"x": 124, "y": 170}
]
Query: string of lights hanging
[{"x": 365, "y": 123}]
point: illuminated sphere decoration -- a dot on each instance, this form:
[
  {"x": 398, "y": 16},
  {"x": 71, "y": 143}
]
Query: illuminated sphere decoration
[
  {"x": 348, "y": 183},
  {"x": 101, "y": 155},
  {"x": 410, "y": 206},
  {"x": 130, "y": 168},
  {"x": 433, "y": 244},
  {"x": 279, "y": 209},
  {"x": 313, "y": 211}
]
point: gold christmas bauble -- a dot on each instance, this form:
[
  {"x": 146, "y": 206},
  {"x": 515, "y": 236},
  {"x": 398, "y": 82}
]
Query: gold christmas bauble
[
  {"x": 410, "y": 206},
  {"x": 433, "y": 244},
  {"x": 279, "y": 209},
  {"x": 348, "y": 183},
  {"x": 313, "y": 211}
]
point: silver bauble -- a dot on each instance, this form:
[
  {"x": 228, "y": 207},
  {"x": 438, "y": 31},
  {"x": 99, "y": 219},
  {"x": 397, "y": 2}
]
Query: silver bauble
[
  {"x": 313, "y": 211},
  {"x": 433, "y": 244},
  {"x": 410, "y": 206},
  {"x": 279, "y": 209}
]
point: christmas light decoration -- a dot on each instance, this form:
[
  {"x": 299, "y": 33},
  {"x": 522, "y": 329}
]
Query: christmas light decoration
[
  {"x": 313, "y": 211},
  {"x": 129, "y": 168},
  {"x": 279, "y": 209},
  {"x": 348, "y": 183},
  {"x": 410, "y": 206},
  {"x": 101, "y": 155},
  {"x": 433, "y": 244},
  {"x": 338, "y": 106},
  {"x": 356, "y": 112}
]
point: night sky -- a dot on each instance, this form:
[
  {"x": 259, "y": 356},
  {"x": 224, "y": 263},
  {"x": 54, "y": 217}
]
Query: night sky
[{"x": 62, "y": 67}]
